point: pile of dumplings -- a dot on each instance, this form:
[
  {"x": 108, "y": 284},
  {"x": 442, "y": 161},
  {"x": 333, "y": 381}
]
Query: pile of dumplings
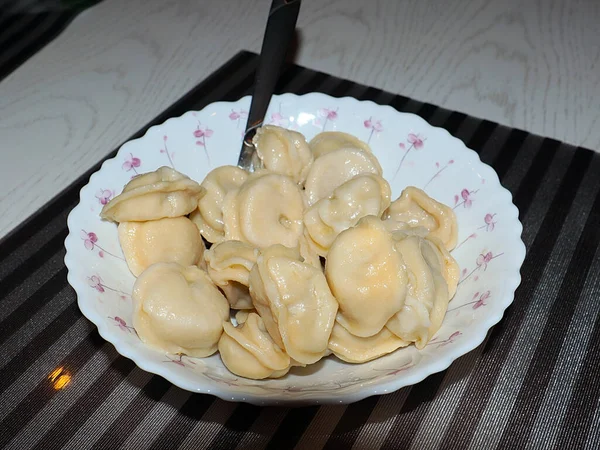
[{"x": 307, "y": 256}]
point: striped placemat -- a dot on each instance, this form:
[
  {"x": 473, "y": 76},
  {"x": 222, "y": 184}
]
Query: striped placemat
[{"x": 533, "y": 382}]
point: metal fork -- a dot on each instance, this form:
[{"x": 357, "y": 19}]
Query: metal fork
[{"x": 276, "y": 41}]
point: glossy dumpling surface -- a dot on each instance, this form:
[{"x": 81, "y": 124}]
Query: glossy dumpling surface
[
  {"x": 164, "y": 240},
  {"x": 178, "y": 309},
  {"x": 448, "y": 265},
  {"x": 242, "y": 315},
  {"x": 335, "y": 168},
  {"x": 283, "y": 151},
  {"x": 329, "y": 141},
  {"x": 209, "y": 215},
  {"x": 228, "y": 265},
  {"x": 266, "y": 210},
  {"x": 249, "y": 351},
  {"x": 417, "y": 209},
  {"x": 308, "y": 251},
  {"x": 295, "y": 302},
  {"x": 363, "y": 195},
  {"x": 154, "y": 195},
  {"x": 355, "y": 349},
  {"x": 428, "y": 294},
  {"x": 367, "y": 277}
]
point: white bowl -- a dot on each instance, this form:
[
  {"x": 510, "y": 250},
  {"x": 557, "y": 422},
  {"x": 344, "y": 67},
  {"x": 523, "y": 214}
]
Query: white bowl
[{"x": 412, "y": 152}]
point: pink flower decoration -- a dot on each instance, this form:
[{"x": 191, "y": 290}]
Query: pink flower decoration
[
  {"x": 489, "y": 222},
  {"x": 179, "y": 361},
  {"x": 481, "y": 302},
  {"x": 329, "y": 114},
  {"x": 121, "y": 323},
  {"x": 278, "y": 119},
  {"x": 89, "y": 239},
  {"x": 483, "y": 260},
  {"x": 402, "y": 146},
  {"x": 374, "y": 125},
  {"x": 96, "y": 282},
  {"x": 466, "y": 195},
  {"x": 203, "y": 132},
  {"x": 471, "y": 236},
  {"x": 131, "y": 163},
  {"x": 236, "y": 115},
  {"x": 415, "y": 140},
  {"x": 104, "y": 196}
]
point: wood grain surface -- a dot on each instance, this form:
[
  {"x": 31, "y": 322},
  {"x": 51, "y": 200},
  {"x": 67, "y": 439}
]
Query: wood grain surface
[{"x": 533, "y": 64}]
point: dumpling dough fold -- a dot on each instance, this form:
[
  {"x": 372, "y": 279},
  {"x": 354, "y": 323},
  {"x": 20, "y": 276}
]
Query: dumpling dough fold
[
  {"x": 367, "y": 276},
  {"x": 249, "y": 351},
  {"x": 228, "y": 265},
  {"x": 335, "y": 168},
  {"x": 164, "y": 240},
  {"x": 293, "y": 299},
  {"x": 154, "y": 195},
  {"x": 266, "y": 210},
  {"x": 428, "y": 291},
  {"x": 209, "y": 215},
  {"x": 329, "y": 141},
  {"x": 283, "y": 151},
  {"x": 178, "y": 309},
  {"x": 417, "y": 209},
  {"x": 355, "y": 349},
  {"x": 363, "y": 195}
]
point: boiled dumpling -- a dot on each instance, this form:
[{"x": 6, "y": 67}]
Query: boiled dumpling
[
  {"x": 228, "y": 265},
  {"x": 266, "y": 210},
  {"x": 428, "y": 293},
  {"x": 417, "y": 209},
  {"x": 393, "y": 225},
  {"x": 242, "y": 315},
  {"x": 154, "y": 195},
  {"x": 449, "y": 267},
  {"x": 354, "y": 349},
  {"x": 164, "y": 240},
  {"x": 363, "y": 195},
  {"x": 335, "y": 168},
  {"x": 308, "y": 252},
  {"x": 295, "y": 302},
  {"x": 329, "y": 141},
  {"x": 209, "y": 215},
  {"x": 283, "y": 151},
  {"x": 178, "y": 309},
  {"x": 249, "y": 351},
  {"x": 367, "y": 277}
]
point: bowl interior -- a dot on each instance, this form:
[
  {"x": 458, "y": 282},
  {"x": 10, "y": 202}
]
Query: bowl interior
[{"x": 411, "y": 152}]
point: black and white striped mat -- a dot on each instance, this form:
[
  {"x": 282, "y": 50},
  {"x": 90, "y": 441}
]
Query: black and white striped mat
[{"x": 534, "y": 382}]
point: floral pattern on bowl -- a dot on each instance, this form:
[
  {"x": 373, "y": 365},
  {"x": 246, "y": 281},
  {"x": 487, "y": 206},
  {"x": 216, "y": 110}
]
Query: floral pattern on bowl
[{"x": 412, "y": 152}]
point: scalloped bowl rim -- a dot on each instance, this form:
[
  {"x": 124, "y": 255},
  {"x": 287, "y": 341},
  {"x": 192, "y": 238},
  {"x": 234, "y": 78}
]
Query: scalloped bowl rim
[{"x": 452, "y": 353}]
